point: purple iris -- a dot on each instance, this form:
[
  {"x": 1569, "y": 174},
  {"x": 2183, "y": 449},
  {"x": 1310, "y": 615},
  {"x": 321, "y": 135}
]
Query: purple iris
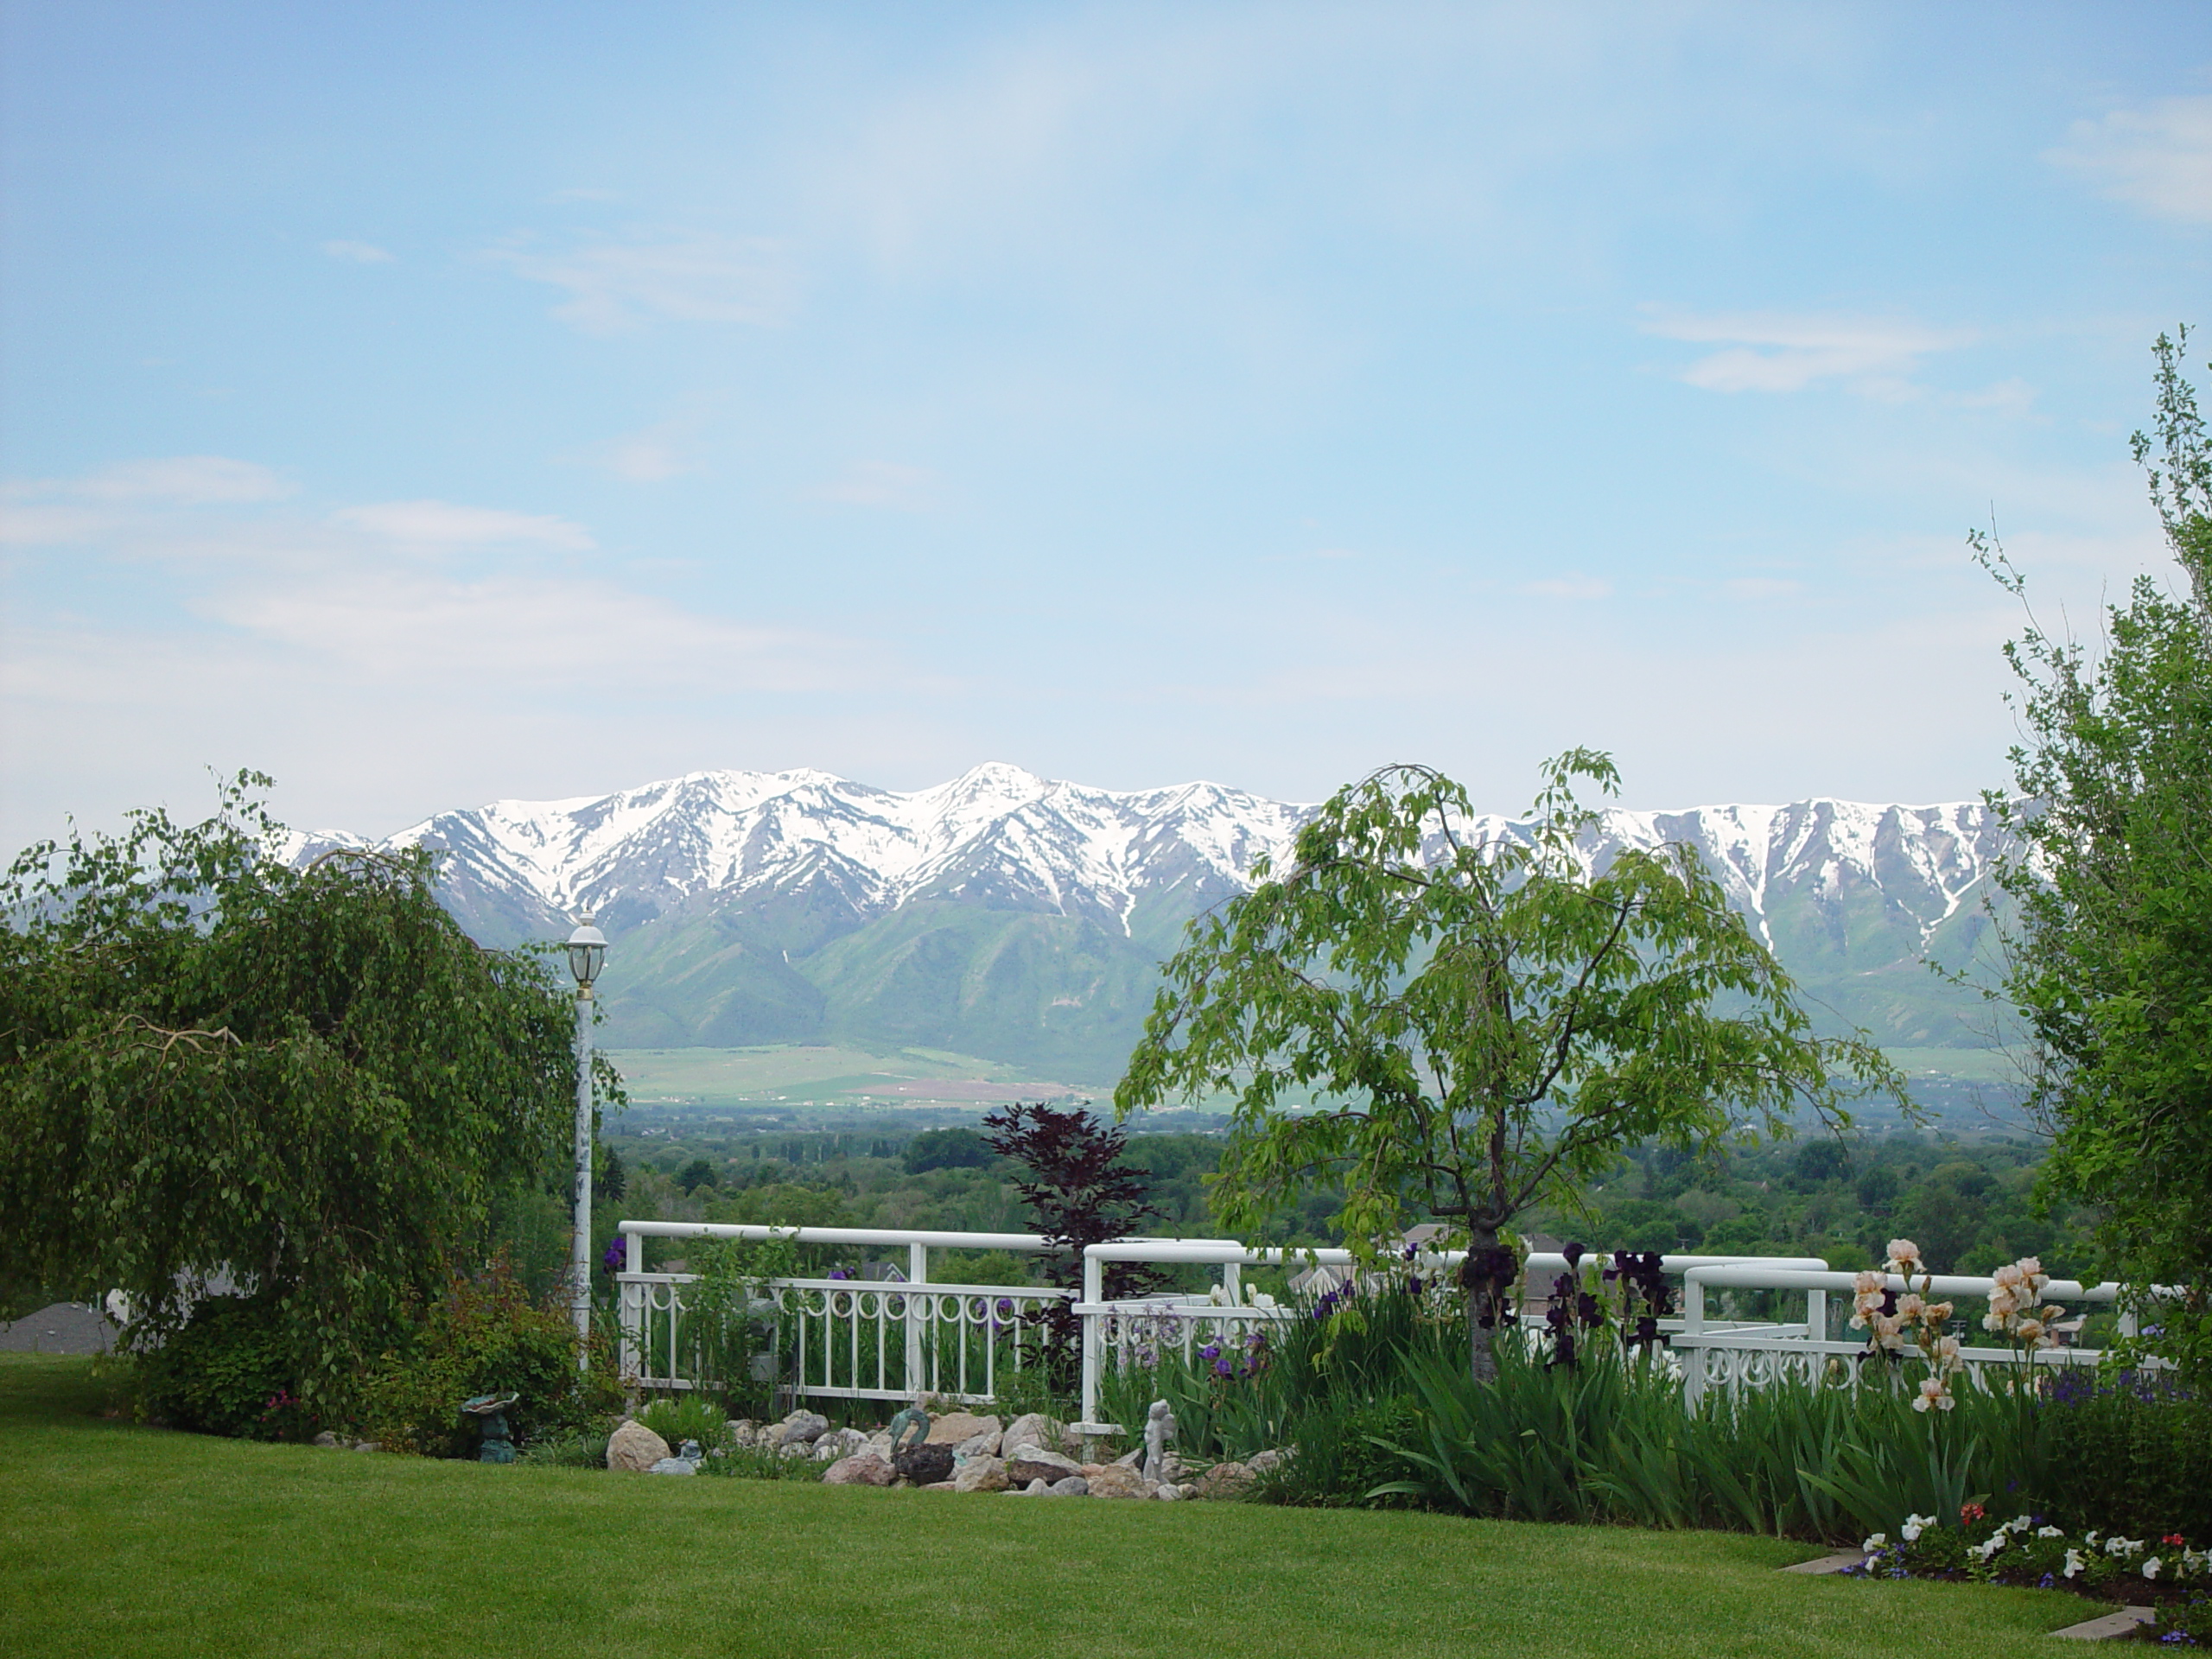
[
  {"x": 1211, "y": 1351},
  {"x": 841, "y": 1272},
  {"x": 617, "y": 1256},
  {"x": 1222, "y": 1368}
]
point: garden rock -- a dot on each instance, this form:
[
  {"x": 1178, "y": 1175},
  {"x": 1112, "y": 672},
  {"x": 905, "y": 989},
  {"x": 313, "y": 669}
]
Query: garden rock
[
  {"x": 861, "y": 1469},
  {"x": 325, "y": 1439},
  {"x": 1028, "y": 1463},
  {"x": 839, "y": 1443},
  {"x": 1131, "y": 1460},
  {"x": 1226, "y": 1480},
  {"x": 925, "y": 1466},
  {"x": 1073, "y": 1486},
  {"x": 1168, "y": 1494},
  {"x": 743, "y": 1431},
  {"x": 1032, "y": 1428},
  {"x": 1260, "y": 1462},
  {"x": 976, "y": 1445},
  {"x": 674, "y": 1466},
  {"x": 1038, "y": 1489},
  {"x": 634, "y": 1447},
  {"x": 1116, "y": 1480},
  {"x": 796, "y": 1449},
  {"x": 806, "y": 1427},
  {"x": 981, "y": 1474},
  {"x": 957, "y": 1425}
]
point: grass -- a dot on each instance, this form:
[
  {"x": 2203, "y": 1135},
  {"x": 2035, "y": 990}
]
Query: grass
[{"x": 120, "y": 1538}]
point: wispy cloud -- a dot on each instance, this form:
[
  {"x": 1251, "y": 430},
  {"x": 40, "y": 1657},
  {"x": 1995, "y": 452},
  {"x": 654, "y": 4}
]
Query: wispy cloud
[
  {"x": 1770, "y": 351},
  {"x": 651, "y": 455},
  {"x": 446, "y": 524},
  {"x": 1569, "y": 588},
  {"x": 881, "y": 484},
  {"x": 2157, "y": 158},
  {"x": 614, "y": 286},
  {"x": 182, "y": 481},
  {"x": 358, "y": 253}
]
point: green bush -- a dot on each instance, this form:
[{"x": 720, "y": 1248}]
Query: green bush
[
  {"x": 226, "y": 1371},
  {"x": 486, "y": 1335},
  {"x": 2129, "y": 1453}
]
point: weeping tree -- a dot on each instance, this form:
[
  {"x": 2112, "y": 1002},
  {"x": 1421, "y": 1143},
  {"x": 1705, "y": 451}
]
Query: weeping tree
[
  {"x": 1481, "y": 1021},
  {"x": 309, "y": 1080}
]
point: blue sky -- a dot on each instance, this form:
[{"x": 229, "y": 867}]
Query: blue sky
[{"x": 431, "y": 404}]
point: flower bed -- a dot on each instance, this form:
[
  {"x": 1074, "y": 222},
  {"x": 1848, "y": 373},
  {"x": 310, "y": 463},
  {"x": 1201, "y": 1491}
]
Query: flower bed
[{"x": 2026, "y": 1551}]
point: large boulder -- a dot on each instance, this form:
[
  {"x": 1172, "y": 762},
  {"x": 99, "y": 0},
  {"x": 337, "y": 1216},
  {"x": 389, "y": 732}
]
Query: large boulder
[
  {"x": 978, "y": 1445},
  {"x": 1033, "y": 1428},
  {"x": 802, "y": 1428},
  {"x": 1028, "y": 1463},
  {"x": 981, "y": 1474},
  {"x": 635, "y": 1447},
  {"x": 957, "y": 1425},
  {"x": 861, "y": 1469},
  {"x": 925, "y": 1466},
  {"x": 1116, "y": 1480}
]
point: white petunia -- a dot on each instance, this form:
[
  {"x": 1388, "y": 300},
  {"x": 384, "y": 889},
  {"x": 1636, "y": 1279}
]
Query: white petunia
[
  {"x": 1874, "y": 1541},
  {"x": 2050, "y": 1532},
  {"x": 2150, "y": 1567},
  {"x": 2074, "y": 1564}
]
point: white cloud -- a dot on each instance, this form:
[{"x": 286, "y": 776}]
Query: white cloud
[
  {"x": 881, "y": 484},
  {"x": 1575, "y": 587},
  {"x": 614, "y": 286},
  {"x": 1770, "y": 351},
  {"x": 180, "y": 480},
  {"x": 445, "y": 524},
  {"x": 2157, "y": 158},
  {"x": 651, "y": 456},
  {"x": 360, "y": 253}
]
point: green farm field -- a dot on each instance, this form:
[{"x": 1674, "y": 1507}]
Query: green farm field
[{"x": 126, "y": 1540}]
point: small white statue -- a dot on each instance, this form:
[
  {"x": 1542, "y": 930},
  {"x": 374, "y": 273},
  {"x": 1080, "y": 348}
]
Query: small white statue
[{"x": 1159, "y": 1429}]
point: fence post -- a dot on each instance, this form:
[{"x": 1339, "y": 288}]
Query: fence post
[
  {"x": 1693, "y": 1325},
  {"x": 1093, "y": 1288},
  {"x": 918, "y": 1279}
]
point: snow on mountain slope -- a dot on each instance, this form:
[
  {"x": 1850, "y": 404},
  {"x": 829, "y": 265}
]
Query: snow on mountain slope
[{"x": 1007, "y": 839}]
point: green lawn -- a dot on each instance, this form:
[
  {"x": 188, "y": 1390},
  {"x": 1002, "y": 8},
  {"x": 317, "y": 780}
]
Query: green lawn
[{"x": 125, "y": 1541}]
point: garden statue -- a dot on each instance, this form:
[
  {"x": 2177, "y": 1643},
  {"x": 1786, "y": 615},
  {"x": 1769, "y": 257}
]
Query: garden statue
[
  {"x": 1159, "y": 1429},
  {"x": 911, "y": 1417},
  {"x": 490, "y": 1411}
]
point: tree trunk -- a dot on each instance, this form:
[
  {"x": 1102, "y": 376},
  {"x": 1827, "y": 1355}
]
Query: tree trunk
[{"x": 1485, "y": 1301}]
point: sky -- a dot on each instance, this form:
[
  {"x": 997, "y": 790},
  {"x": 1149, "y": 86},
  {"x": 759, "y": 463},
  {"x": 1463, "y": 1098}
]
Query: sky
[{"x": 429, "y": 405}]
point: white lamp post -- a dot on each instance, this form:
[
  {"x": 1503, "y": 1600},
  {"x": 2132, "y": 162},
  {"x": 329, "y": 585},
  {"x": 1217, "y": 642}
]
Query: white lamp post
[{"x": 587, "y": 951}]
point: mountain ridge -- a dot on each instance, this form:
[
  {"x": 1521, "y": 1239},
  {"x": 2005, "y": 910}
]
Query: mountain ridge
[{"x": 1023, "y": 918}]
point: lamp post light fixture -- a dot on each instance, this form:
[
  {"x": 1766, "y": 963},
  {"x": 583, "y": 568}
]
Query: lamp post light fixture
[{"x": 586, "y": 952}]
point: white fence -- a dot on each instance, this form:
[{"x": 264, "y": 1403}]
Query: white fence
[{"x": 890, "y": 1340}]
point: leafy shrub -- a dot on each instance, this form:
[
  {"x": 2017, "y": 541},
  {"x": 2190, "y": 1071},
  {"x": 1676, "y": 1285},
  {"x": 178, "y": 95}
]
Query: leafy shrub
[
  {"x": 687, "y": 1418},
  {"x": 226, "y": 1371},
  {"x": 486, "y": 1335},
  {"x": 2127, "y": 1453},
  {"x": 573, "y": 1448}
]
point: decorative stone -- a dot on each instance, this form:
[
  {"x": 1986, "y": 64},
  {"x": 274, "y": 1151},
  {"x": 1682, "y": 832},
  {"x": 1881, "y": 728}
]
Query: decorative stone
[
  {"x": 674, "y": 1466},
  {"x": 1173, "y": 1471},
  {"x": 838, "y": 1443},
  {"x": 796, "y": 1449},
  {"x": 634, "y": 1447},
  {"x": 1073, "y": 1486},
  {"x": 802, "y": 1426},
  {"x": 861, "y": 1469},
  {"x": 1260, "y": 1462},
  {"x": 982, "y": 1473},
  {"x": 1032, "y": 1428},
  {"x": 743, "y": 1431},
  {"x": 367, "y": 1445},
  {"x": 925, "y": 1466},
  {"x": 1133, "y": 1458},
  {"x": 1116, "y": 1480},
  {"x": 1028, "y": 1463},
  {"x": 1038, "y": 1488},
  {"x": 1226, "y": 1480},
  {"x": 1169, "y": 1494},
  {"x": 978, "y": 1445},
  {"x": 957, "y": 1425},
  {"x": 325, "y": 1439},
  {"x": 940, "y": 1486}
]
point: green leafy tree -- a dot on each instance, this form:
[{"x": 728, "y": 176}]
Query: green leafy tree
[
  {"x": 1483, "y": 1024},
  {"x": 2110, "y": 962},
  {"x": 308, "y": 1078}
]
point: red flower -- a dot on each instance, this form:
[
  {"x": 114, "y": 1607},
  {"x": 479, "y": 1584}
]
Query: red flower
[
  {"x": 1970, "y": 1513},
  {"x": 2175, "y": 1540}
]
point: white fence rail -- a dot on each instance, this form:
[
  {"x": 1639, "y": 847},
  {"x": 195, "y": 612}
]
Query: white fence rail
[{"x": 889, "y": 1340}]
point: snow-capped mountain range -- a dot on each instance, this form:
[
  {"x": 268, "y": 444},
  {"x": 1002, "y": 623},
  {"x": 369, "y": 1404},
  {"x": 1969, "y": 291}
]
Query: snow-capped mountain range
[{"x": 1022, "y": 918}]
